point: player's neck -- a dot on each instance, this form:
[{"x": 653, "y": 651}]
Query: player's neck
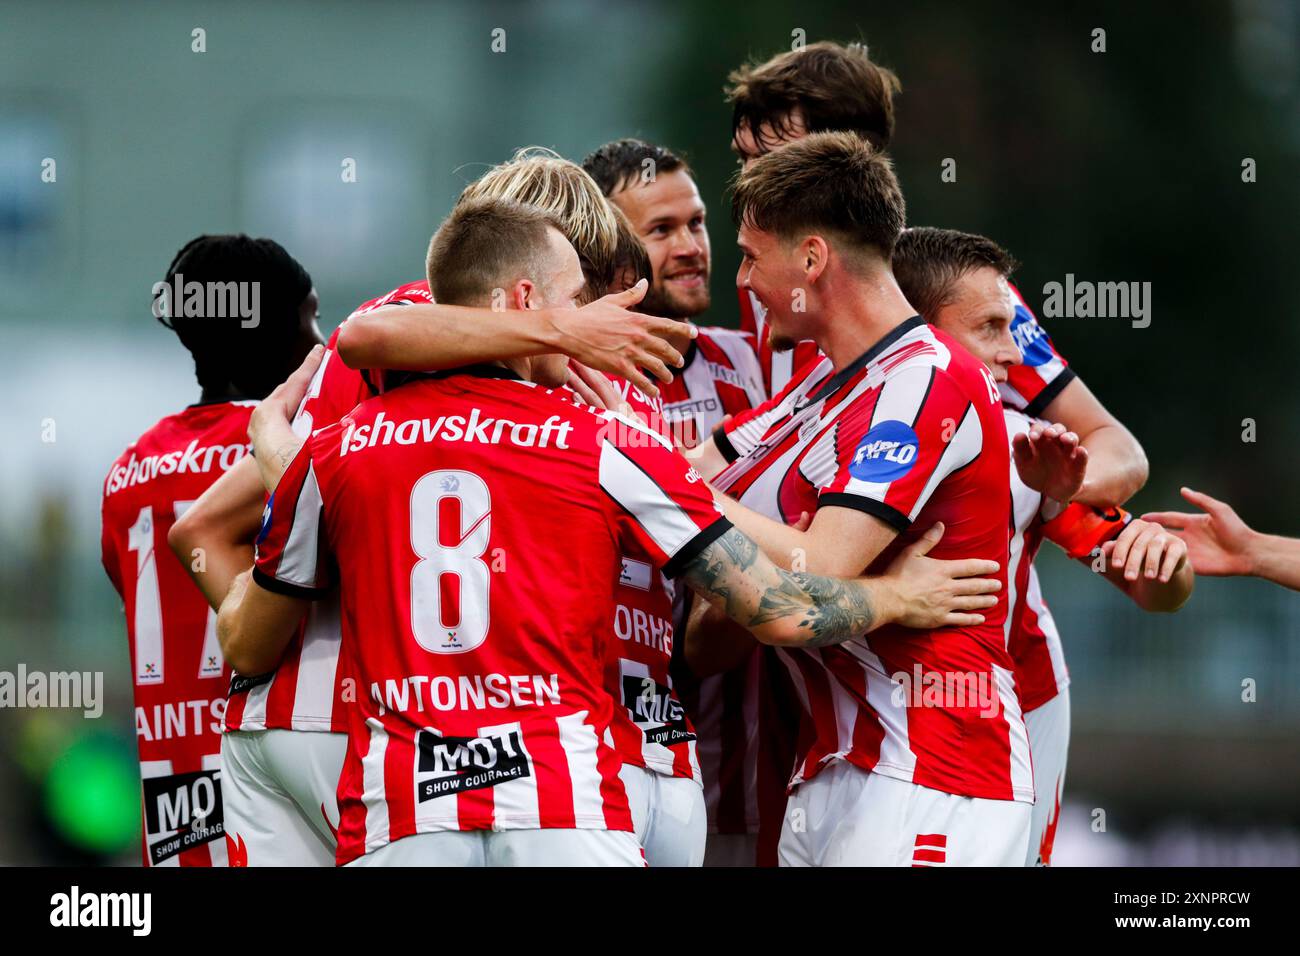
[
  {"x": 520, "y": 366},
  {"x": 868, "y": 311}
]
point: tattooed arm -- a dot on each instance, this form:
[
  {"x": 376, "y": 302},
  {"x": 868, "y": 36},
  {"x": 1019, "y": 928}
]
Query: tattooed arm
[{"x": 806, "y": 610}]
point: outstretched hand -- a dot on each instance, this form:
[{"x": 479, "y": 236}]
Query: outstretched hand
[{"x": 1218, "y": 541}]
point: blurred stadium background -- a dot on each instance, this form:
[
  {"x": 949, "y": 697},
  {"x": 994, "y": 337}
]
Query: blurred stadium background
[{"x": 1123, "y": 165}]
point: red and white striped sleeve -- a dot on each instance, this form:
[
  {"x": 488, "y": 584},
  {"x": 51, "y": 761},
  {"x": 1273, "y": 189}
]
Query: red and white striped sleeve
[
  {"x": 659, "y": 501},
  {"x": 1043, "y": 374},
  {"x": 292, "y": 554},
  {"x": 891, "y": 456},
  {"x": 744, "y": 432}
]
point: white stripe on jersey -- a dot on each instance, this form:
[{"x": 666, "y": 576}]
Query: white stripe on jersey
[
  {"x": 254, "y": 716},
  {"x": 640, "y": 495},
  {"x": 1026, "y": 507},
  {"x": 578, "y": 739},
  {"x": 884, "y": 698},
  {"x": 515, "y": 799},
  {"x": 965, "y": 447},
  {"x": 313, "y": 700},
  {"x": 373, "y": 794},
  {"x": 1022, "y": 771},
  {"x": 301, "y": 557}
]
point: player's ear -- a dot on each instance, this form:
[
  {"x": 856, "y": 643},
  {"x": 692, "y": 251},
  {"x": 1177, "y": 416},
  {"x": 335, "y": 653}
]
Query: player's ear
[
  {"x": 815, "y": 256},
  {"x": 525, "y": 295}
]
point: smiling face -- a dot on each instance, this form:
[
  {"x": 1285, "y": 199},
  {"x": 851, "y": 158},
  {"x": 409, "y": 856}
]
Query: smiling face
[
  {"x": 771, "y": 270},
  {"x": 978, "y": 314},
  {"x": 668, "y": 216}
]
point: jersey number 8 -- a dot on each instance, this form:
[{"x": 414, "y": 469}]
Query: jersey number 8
[{"x": 451, "y": 521}]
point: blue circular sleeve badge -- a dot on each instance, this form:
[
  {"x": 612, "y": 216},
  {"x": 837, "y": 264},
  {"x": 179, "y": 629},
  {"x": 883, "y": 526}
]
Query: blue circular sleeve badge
[
  {"x": 886, "y": 453},
  {"x": 1030, "y": 338}
]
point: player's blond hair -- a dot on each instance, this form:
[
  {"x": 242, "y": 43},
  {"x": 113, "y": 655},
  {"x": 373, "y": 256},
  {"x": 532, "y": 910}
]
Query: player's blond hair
[{"x": 536, "y": 176}]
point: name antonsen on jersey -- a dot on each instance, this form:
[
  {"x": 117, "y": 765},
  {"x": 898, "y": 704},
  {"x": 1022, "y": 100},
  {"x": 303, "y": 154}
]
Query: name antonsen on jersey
[
  {"x": 477, "y": 428},
  {"x": 193, "y": 460},
  {"x": 469, "y": 692},
  {"x": 180, "y": 719}
]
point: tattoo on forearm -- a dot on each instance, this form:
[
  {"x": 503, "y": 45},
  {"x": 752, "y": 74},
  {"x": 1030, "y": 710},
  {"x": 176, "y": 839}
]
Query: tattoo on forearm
[{"x": 755, "y": 591}]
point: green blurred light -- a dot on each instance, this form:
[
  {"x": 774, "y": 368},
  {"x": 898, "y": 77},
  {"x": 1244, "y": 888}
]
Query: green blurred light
[{"x": 92, "y": 795}]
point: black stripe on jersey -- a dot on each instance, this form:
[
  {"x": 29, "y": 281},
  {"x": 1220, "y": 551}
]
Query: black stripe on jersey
[
  {"x": 886, "y": 513},
  {"x": 1035, "y": 408},
  {"x": 843, "y": 375},
  {"x": 276, "y": 586},
  {"x": 695, "y": 547},
  {"x": 724, "y": 445},
  {"x": 920, "y": 408}
]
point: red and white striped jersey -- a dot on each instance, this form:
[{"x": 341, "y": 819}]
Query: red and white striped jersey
[
  {"x": 1032, "y": 638},
  {"x": 721, "y": 377},
  {"x": 650, "y": 728},
  {"x": 179, "y": 675},
  {"x": 745, "y": 741},
  {"x": 1043, "y": 373},
  {"x": 477, "y": 525},
  {"x": 911, "y": 433},
  {"x": 305, "y": 692},
  {"x": 778, "y": 367}
]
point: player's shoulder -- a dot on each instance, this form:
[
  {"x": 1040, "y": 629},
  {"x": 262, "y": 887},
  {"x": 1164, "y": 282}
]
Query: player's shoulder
[
  {"x": 411, "y": 292},
  {"x": 172, "y": 445}
]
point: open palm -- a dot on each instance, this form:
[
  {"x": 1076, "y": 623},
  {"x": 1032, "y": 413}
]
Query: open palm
[{"x": 1217, "y": 541}]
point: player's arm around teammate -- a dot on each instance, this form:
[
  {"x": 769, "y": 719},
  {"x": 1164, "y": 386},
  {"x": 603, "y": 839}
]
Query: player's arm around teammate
[
  {"x": 222, "y": 523},
  {"x": 604, "y": 335}
]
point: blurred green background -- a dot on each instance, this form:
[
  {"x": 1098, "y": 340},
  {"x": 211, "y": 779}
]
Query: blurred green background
[{"x": 1117, "y": 166}]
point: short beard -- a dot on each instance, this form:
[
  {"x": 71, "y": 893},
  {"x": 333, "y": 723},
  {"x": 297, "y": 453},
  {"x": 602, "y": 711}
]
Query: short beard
[{"x": 778, "y": 342}]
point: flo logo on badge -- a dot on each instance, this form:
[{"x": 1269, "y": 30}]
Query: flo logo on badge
[{"x": 886, "y": 453}]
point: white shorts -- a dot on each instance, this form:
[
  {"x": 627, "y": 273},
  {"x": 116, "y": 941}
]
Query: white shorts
[
  {"x": 845, "y": 816},
  {"x": 509, "y": 848},
  {"x": 1049, "y": 744},
  {"x": 279, "y": 790},
  {"x": 731, "y": 849},
  {"x": 669, "y": 816}
]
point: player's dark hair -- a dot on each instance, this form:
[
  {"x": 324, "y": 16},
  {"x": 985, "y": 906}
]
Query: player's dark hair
[
  {"x": 830, "y": 184},
  {"x": 486, "y": 244},
  {"x": 633, "y": 260},
  {"x": 618, "y": 164},
  {"x": 834, "y": 86},
  {"x": 928, "y": 262},
  {"x": 248, "y": 354}
]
